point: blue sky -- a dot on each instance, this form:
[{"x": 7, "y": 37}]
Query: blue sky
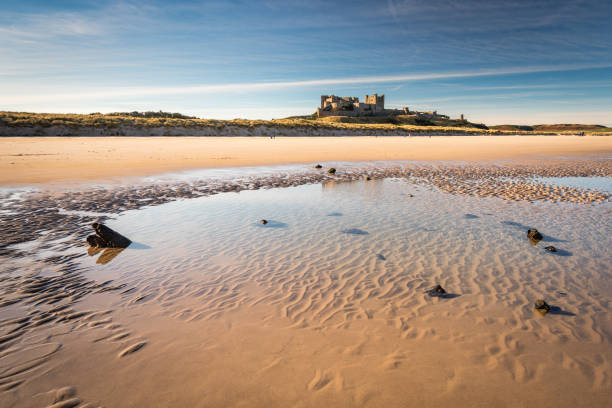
[{"x": 514, "y": 61}]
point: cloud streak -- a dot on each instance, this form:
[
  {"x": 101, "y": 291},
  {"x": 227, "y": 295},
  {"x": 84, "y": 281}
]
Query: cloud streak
[{"x": 129, "y": 92}]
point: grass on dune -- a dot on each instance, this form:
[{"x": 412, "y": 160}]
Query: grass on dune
[{"x": 407, "y": 123}]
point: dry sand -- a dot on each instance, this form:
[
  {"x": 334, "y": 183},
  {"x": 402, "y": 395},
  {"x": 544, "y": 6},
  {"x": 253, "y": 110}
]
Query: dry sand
[{"x": 27, "y": 160}]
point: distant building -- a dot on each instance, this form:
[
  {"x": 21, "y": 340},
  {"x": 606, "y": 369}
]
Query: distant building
[
  {"x": 332, "y": 105},
  {"x": 373, "y": 105}
]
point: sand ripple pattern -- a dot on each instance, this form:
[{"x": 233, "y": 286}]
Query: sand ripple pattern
[{"x": 462, "y": 226}]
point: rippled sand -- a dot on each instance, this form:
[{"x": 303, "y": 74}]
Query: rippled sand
[{"x": 325, "y": 305}]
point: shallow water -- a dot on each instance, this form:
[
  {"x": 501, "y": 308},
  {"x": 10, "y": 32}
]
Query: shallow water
[
  {"x": 596, "y": 183},
  {"x": 343, "y": 230}
]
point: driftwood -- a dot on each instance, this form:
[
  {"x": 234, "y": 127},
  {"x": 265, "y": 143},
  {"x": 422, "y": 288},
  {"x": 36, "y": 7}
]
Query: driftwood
[{"x": 107, "y": 238}]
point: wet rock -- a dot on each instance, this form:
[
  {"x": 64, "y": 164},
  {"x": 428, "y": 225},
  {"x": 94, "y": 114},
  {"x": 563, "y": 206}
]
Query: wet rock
[
  {"x": 264, "y": 222},
  {"x": 332, "y": 171},
  {"x": 107, "y": 238},
  {"x": 318, "y": 166},
  {"x": 541, "y": 306},
  {"x": 534, "y": 235},
  {"x": 437, "y": 290},
  {"x": 550, "y": 248},
  {"x": 95, "y": 241}
]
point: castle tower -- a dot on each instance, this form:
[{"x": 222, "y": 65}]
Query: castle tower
[
  {"x": 380, "y": 102},
  {"x": 323, "y": 98}
]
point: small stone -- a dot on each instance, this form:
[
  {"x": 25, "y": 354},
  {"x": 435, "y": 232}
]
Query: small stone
[
  {"x": 368, "y": 178},
  {"x": 534, "y": 235},
  {"x": 332, "y": 171},
  {"x": 436, "y": 291},
  {"x": 318, "y": 166},
  {"x": 550, "y": 248},
  {"x": 264, "y": 222},
  {"x": 541, "y": 306}
]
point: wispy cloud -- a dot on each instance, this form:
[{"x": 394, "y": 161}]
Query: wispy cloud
[
  {"x": 40, "y": 26},
  {"x": 268, "y": 86}
]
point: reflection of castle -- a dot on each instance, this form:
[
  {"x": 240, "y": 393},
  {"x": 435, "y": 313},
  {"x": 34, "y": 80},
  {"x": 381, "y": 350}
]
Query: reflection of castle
[{"x": 374, "y": 105}]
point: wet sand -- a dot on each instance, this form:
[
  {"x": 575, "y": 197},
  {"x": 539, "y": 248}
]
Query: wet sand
[
  {"x": 30, "y": 160},
  {"x": 323, "y": 306}
]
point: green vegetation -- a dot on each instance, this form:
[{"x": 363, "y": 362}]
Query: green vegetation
[
  {"x": 561, "y": 127},
  {"x": 115, "y": 122},
  {"x": 149, "y": 114},
  {"x": 513, "y": 128}
]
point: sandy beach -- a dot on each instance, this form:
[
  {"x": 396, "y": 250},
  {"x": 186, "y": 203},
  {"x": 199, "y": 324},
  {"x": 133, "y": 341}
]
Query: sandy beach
[
  {"x": 328, "y": 303},
  {"x": 26, "y": 160}
]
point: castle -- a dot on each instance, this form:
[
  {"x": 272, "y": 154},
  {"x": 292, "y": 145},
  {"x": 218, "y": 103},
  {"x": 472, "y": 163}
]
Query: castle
[
  {"x": 373, "y": 105},
  {"x": 332, "y": 105}
]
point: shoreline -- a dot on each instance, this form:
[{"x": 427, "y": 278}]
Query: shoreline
[{"x": 38, "y": 160}]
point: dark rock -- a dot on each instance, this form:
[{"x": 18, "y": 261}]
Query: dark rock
[
  {"x": 541, "y": 306},
  {"x": 107, "y": 238},
  {"x": 331, "y": 171},
  {"x": 437, "y": 290},
  {"x": 96, "y": 241},
  {"x": 264, "y": 222},
  {"x": 318, "y": 166},
  {"x": 368, "y": 178},
  {"x": 550, "y": 248},
  {"x": 534, "y": 235}
]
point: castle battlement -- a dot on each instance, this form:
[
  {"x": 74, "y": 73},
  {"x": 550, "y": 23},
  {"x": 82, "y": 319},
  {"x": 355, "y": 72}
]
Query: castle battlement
[
  {"x": 332, "y": 105},
  {"x": 372, "y": 105}
]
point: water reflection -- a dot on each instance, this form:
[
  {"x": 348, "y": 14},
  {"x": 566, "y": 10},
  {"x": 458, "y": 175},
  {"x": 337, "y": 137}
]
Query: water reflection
[{"x": 108, "y": 254}]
